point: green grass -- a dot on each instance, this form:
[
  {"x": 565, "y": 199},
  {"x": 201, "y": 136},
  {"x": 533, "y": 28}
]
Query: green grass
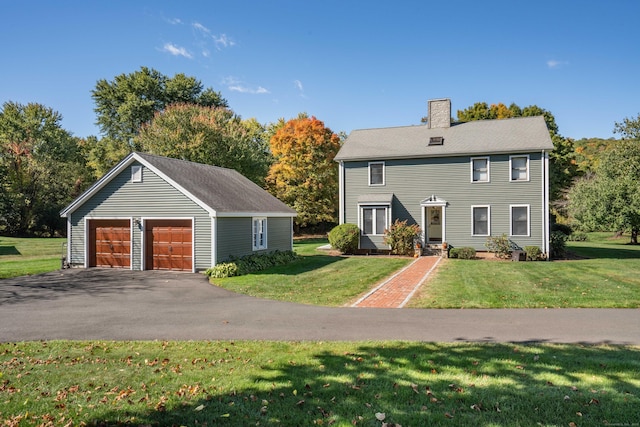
[
  {"x": 608, "y": 278},
  {"x": 317, "y": 278},
  {"x": 317, "y": 383},
  {"x": 24, "y": 256}
]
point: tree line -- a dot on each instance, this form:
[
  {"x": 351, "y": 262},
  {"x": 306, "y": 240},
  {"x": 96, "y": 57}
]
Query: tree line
[{"x": 43, "y": 167}]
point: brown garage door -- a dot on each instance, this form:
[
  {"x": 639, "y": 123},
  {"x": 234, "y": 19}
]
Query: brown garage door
[
  {"x": 110, "y": 243},
  {"x": 168, "y": 245}
]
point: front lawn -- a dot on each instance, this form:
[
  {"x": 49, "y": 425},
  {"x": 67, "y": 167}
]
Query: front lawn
[
  {"x": 24, "y": 256},
  {"x": 317, "y": 383},
  {"x": 317, "y": 278},
  {"x": 608, "y": 278}
]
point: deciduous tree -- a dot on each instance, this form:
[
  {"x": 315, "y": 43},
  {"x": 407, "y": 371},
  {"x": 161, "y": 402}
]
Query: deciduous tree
[
  {"x": 210, "y": 135},
  {"x": 610, "y": 199},
  {"x": 304, "y": 175},
  {"x": 41, "y": 169},
  {"x": 129, "y": 100}
]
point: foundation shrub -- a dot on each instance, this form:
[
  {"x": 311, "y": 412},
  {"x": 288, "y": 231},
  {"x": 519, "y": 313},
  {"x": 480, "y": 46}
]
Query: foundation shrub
[{"x": 345, "y": 238}]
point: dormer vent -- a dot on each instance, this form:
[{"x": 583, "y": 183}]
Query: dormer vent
[{"x": 436, "y": 140}]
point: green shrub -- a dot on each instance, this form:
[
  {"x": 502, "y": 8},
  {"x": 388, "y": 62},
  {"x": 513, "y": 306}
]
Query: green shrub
[
  {"x": 226, "y": 269},
  {"x": 500, "y": 246},
  {"x": 578, "y": 236},
  {"x": 557, "y": 243},
  {"x": 533, "y": 253},
  {"x": 563, "y": 228},
  {"x": 251, "y": 263},
  {"x": 345, "y": 238},
  {"x": 462, "y": 253},
  {"x": 400, "y": 237}
]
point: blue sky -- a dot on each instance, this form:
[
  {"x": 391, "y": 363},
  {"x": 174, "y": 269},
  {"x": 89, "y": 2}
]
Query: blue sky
[{"x": 351, "y": 64}]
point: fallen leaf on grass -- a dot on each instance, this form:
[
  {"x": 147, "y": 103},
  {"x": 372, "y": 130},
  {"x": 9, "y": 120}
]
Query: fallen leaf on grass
[{"x": 199, "y": 408}]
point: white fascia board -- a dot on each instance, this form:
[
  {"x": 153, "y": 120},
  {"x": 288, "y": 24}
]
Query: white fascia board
[{"x": 255, "y": 214}]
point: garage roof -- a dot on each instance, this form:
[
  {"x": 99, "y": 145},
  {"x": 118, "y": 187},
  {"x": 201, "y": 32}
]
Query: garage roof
[{"x": 220, "y": 191}]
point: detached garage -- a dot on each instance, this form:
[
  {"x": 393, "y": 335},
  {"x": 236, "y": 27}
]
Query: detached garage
[{"x": 156, "y": 213}]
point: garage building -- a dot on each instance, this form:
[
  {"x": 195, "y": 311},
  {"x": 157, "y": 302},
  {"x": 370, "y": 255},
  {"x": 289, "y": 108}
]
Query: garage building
[{"x": 156, "y": 213}]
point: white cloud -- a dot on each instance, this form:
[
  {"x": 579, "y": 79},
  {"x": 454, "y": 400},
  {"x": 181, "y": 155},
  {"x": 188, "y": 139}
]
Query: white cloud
[
  {"x": 236, "y": 85},
  {"x": 552, "y": 63},
  {"x": 223, "y": 41},
  {"x": 298, "y": 85},
  {"x": 174, "y": 21},
  {"x": 200, "y": 27},
  {"x": 176, "y": 50}
]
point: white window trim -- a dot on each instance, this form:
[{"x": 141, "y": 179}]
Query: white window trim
[
  {"x": 528, "y": 220},
  {"x": 473, "y": 207},
  {"x": 263, "y": 221},
  {"x": 488, "y": 169},
  {"x": 377, "y": 232},
  {"x": 383, "y": 174},
  {"x": 511, "y": 167},
  {"x": 136, "y": 173}
]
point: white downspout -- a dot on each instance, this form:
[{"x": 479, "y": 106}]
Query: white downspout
[
  {"x": 341, "y": 202},
  {"x": 545, "y": 201}
]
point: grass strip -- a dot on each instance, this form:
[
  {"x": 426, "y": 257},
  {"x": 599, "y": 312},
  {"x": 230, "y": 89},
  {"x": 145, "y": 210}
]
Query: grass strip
[{"x": 317, "y": 383}]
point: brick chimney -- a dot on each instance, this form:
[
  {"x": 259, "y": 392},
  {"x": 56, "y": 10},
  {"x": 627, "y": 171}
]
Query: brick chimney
[{"x": 439, "y": 111}]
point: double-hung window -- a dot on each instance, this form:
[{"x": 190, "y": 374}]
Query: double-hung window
[
  {"x": 481, "y": 222},
  {"x": 259, "y": 233},
  {"x": 519, "y": 166},
  {"x": 376, "y": 173},
  {"x": 479, "y": 169},
  {"x": 374, "y": 219},
  {"x": 519, "y": 220}
]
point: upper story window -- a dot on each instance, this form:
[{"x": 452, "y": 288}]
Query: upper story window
[
  {"x": 376, "y": 173},
  {"x": 479, "y": 169},
  {"x": 136, "y": 173},
  {"x": 259, "y": 233},
  {"x": 519, "y": 166}
]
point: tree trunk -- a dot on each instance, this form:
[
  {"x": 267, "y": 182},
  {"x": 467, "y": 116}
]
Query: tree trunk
[{"x": 634, "y": 236}]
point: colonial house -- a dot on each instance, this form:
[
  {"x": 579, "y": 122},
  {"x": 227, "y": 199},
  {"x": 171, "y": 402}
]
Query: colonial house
[
  {"x": 151, "y": 212},
  {"x": 461, "y": 182}
]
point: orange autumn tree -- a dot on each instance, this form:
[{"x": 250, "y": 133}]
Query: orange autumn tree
[{"x": 304, "y": 175}]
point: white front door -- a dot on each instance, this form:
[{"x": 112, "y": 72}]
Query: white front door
[{"x": 434, "y": 224}]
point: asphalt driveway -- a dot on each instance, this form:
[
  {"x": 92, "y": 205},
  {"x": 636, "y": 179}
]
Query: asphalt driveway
[{"x": 100, "y": 304}]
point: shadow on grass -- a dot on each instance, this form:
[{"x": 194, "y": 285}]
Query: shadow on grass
[
  {"x": 305, "y": 264},
  {"x": 9, "y": 250},
  {"x": 414, "y": 384},
  {"x": 605, "y": 252}
]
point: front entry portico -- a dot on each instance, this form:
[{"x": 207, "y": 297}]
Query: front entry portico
[{"x": 433, "y": 224}]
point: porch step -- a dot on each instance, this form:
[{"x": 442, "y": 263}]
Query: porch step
[{"x": 432, "y": 249}]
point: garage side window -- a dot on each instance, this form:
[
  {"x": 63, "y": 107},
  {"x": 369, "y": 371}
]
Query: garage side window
[
  {"x": 136, "y": 173},
  {"x": 259, "y": 233}
]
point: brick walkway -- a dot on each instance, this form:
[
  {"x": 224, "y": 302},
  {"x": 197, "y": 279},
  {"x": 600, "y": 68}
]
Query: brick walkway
[{"x": 398, "y": 289}]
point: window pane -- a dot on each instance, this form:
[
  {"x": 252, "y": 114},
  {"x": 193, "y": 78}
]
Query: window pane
[
  {"x": 376, "y": 173},
  {"x": 367, "y": 221},
  {"x": 381, "y": 222},
  {"x": 518, "y": 168},
  {"x": 519, "y": 221},
  {"x": 481, "y": 221},
  {"x": 480, "y": 170}
]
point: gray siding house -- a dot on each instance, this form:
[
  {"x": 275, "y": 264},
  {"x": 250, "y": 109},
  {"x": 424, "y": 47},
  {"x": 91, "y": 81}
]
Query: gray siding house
[
  {"x": 460, "y": 183},
  {"x": 151, "y": 212}
]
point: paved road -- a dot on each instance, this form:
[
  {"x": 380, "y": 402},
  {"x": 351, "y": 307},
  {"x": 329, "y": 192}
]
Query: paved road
[{"x": 130, "y": 305}]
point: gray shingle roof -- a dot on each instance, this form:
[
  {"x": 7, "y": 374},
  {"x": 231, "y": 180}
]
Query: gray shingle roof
[
  {"x": 222, "y": 189},
  {"x": 523, "y": 134},
  {"x": 216, "y": 189}
]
